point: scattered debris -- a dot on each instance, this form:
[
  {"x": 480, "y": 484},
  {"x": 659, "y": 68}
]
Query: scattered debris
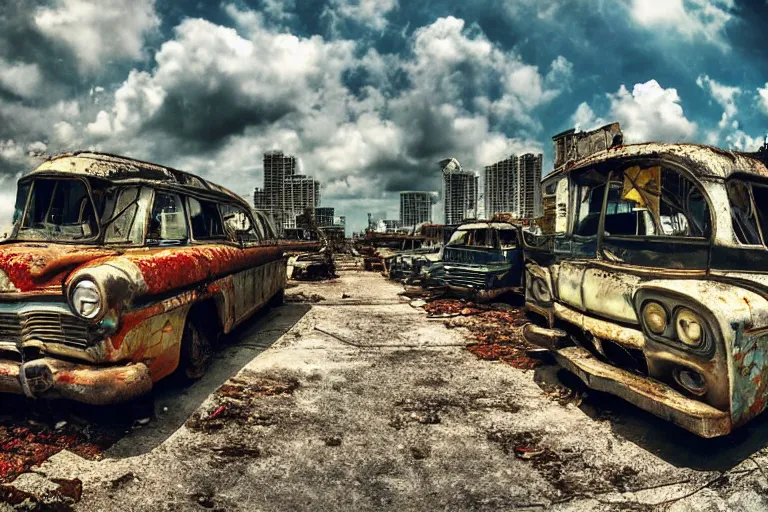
[
  {"x": 497, "y": 329},
  {"x": 302, "y": 297},
  {"x": 528, "y": 452},
  {"x": 332, "y": 441},
  {"x": 205, "y": 500},
  {"x": 60, "y": 499},
  {"x": 237, "y": 451},
  {"x": 215, "y": 414},
  {"x": 237, "y": 401},
  {"x": 122, "y": 480},
  {"x": 31, "y": 433},
  {"x": 420, "y": 452}
]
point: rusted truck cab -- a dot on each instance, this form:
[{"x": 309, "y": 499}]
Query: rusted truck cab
[
  {"x": 119, "y": 272},
  {"x": 481, "y": 259},
  {"x": 654, "y": 286}
]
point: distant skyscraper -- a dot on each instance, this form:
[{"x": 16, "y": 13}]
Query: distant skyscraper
[
  {"x": 285, "y": 194},
  {"x": 529, "y": 186},
  {"x": 416, "y": 207},
  {"x": 300, "y": 193},
  {"x": 459, "y": 192},
  {"x": 500, "y": 186},
  {"x": 324, "y": 216}
]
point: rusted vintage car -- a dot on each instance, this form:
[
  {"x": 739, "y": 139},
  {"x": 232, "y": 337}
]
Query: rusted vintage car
[
  {"x": 482, "y": 260},
  {"x": 119, "y": 272},
  {"x": 654, "y": 286}
]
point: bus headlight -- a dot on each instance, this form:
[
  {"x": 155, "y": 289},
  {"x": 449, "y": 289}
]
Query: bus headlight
[
  {"x": 655, "y": 317},
  {"x": 689, "y": 327},
  {"x": 85, "y": 299}
]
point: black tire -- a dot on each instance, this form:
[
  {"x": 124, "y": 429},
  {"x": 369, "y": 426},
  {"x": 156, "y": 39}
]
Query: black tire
[
  {"x": 278, "y": 299},
  {"x": 196, "y": 351}
]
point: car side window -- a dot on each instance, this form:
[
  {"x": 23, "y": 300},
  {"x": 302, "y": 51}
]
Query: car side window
[
  {"x": 239, "y": 224},
  {"x": 743, "y": 215},
  {"x": 590, "y": 203},
  {"x": 167, "y": 224},
  {"x": 655, "y": 201},
  {"x": 205, "y": 220}
]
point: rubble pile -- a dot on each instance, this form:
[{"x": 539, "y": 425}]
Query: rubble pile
[
  {"x": 26, "y": 443},
  {"x": 496, "y": 327},
  {"x": 61, "y": 499},
  {"x": 237, "y": 401},
  {"x": 303, "y": 297}
]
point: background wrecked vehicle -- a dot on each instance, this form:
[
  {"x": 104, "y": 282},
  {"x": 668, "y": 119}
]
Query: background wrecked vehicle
[{"x": 481, "y": 259}]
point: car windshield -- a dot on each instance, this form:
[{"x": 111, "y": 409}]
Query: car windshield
[
  {"x": 53, "y": 209},
  {"x": 508, "y": 238},
  {"x": 483, "y": 237},
  {"x": 62, "y": 210}
]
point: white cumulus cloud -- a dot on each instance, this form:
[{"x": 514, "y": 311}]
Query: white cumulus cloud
[
  {"x": 98, "y": 31},
  {"x": 648, "y": 113},
  {"x": 693, "y": 20}
]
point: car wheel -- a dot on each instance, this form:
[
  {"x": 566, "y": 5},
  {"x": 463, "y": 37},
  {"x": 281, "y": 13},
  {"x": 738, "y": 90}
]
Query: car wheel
[{"x": 196, "y": 351}]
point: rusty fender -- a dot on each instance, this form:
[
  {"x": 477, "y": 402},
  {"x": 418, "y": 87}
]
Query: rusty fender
[{"x": 54, "y": 378}]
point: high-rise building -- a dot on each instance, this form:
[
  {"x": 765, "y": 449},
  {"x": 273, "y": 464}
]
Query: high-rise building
[
  {"x": 285, "y": 194},
  {"x": 529, "y": 186},
  {"x": 324, "y": 216},
  {"x": 459, "y": 192},
  {"x": 300, "y": 194},
  {"x": 277, "y": 167},
  {"x": 500, "y": 187},
  {"x": 416, "y": 207}
]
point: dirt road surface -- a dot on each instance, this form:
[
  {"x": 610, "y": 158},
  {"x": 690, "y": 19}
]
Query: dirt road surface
[{"x": 352, "y": 399}]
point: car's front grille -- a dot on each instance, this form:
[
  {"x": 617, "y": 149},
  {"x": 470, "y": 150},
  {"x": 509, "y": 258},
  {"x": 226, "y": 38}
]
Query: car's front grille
[
  {"x": 43, "y": 326},
  {"x": 464, "y": 277}
]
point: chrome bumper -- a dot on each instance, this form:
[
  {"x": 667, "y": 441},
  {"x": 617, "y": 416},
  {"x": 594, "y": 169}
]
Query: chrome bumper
[
  {"x": 52, "y": 378},
  {"x": 645, "y": 393}
]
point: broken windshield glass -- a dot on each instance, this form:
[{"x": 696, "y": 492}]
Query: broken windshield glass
[{"x": 58, "y": 209}]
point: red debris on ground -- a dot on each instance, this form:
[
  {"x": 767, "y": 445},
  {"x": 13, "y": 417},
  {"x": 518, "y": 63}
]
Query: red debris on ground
[
  {"x": 215, "y": 414},
  {"x": 442, "y": 307},
  {"x": 238, "y": 401},
  {"x": 497, "y": 332},
  {"x": 22, "y": 448}
]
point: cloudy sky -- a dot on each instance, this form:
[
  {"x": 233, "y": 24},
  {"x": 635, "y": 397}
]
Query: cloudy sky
[{"x": 369, "y": 94}]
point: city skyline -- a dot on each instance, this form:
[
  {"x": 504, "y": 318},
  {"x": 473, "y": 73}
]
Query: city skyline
[{"x": 368, "y": 98}]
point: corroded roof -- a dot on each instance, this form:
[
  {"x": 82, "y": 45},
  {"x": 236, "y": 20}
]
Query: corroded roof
[
  {"x": 123, "y": 169},
  {"x": 485, "y": 225},
  {"x": 701, "y": 160}
]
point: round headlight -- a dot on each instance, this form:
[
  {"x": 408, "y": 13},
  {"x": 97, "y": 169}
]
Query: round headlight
[
  {"x": 689, "y": 327},
  {"x": 85, "y": 299},
  {"x": 655, "y": 317}
]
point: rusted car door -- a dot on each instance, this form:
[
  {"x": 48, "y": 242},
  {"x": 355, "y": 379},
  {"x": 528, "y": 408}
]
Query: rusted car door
[{"x": 254, "y": 286}]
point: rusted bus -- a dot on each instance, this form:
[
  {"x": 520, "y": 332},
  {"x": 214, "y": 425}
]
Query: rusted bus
[
  {"x": 193, "y": 264},
  {"x": 656, "y": 270}
]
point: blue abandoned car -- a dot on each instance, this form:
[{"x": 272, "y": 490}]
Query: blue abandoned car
[{"x": 482, "y": 260}]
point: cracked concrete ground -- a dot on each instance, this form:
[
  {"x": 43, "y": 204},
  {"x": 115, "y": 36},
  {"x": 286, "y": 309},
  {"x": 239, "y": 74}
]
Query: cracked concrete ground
[{"x": 359, "y": 402}]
